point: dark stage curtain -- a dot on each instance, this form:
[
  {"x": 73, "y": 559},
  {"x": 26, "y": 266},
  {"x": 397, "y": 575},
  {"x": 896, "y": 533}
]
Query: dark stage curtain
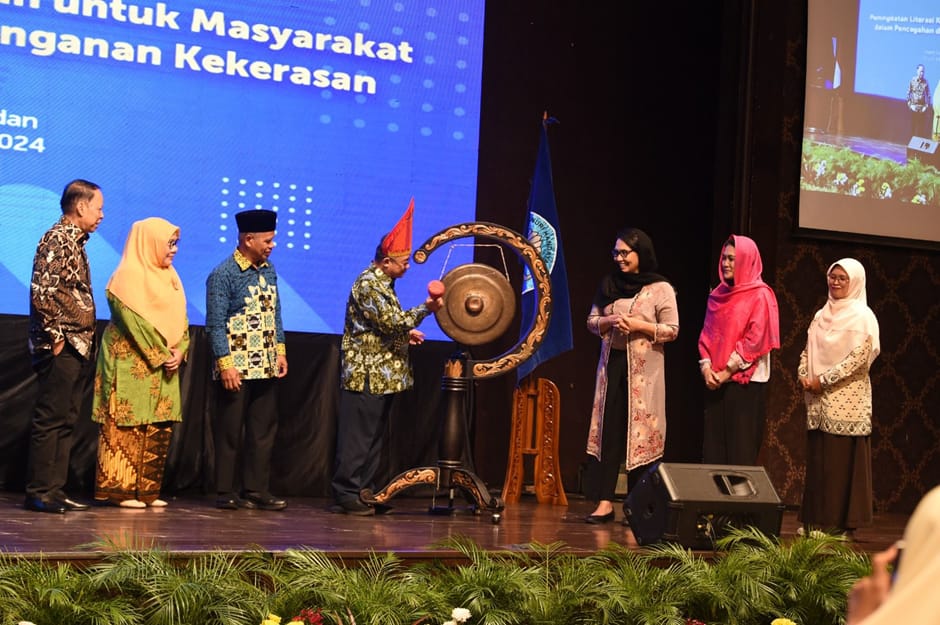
[{"x": 308, "y": 403}]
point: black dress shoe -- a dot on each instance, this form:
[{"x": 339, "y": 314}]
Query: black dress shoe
[
  {"x": 38, "y": 504},
  {"x": 597, "y": 519},
  {"x": 382, "y": 508},
  {"x": 227, "y": 502},
  {"x": 262, "y": 501},
  {"x": 244, "y": 503},
  {"x": 357, "y": 508},
  {"x": 69, "y": 504},
  {"x": 72, "y": 505}
]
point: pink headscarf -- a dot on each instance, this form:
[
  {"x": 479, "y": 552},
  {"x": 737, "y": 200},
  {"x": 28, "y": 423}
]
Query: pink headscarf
[{"x": 742, "y": 318}]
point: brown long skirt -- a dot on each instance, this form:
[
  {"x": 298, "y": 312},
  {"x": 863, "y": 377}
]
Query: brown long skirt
[
  {"x": 131, "y": 461},
  {"x": 837, "y": 494}
]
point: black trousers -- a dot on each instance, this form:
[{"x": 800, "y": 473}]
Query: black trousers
[
  {"x": 62, "y": 381},
  {"x": 601, "y": 476},
  {"x": 245, "y": 428},
  {"x": 734, "y": 423},
  {"x": 359, "y": 435}
]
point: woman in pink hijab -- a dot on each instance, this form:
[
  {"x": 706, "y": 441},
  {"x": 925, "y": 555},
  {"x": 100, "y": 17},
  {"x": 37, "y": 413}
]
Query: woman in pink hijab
[{"x": 741, "y": 328}]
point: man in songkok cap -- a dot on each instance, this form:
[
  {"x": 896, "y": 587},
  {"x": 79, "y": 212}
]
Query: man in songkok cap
[
  {"x": 375, "y": 365},
  {"x": 246, "y": 337}
]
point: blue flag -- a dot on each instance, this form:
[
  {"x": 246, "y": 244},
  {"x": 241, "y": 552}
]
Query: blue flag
[{"x": 543, "y": 233}]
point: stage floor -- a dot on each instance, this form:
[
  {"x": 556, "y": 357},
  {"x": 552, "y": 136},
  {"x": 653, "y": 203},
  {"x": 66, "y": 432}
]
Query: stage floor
[{"x": 192, "y": 525}]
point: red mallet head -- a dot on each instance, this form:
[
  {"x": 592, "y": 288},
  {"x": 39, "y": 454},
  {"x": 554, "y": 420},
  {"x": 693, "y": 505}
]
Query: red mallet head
[{"x": 435, "y": 288}]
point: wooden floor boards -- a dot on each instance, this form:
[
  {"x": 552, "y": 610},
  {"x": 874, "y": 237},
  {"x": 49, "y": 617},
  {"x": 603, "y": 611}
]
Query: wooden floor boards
[{"x": 193, "y": 525}]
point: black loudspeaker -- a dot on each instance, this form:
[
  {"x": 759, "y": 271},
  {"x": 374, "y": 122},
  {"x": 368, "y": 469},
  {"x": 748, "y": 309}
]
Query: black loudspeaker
[
  {"x": 925, "y": 150},
  {"x": 694, "y": 504}
]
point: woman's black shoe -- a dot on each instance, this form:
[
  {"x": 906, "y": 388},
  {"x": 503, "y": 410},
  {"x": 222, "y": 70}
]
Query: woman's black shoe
[{"x": 597, "y": 519}]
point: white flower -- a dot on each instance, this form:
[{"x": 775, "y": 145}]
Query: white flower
[
  {"x": 26, "y": 623},
  {"x": 460, "y": 615}
]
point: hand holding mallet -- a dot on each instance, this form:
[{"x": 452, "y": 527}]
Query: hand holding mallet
[{"x": 435, "y": 295}]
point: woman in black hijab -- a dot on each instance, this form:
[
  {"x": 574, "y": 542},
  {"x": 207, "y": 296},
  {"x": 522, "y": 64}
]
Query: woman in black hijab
[{"x": 634, "y": 313}]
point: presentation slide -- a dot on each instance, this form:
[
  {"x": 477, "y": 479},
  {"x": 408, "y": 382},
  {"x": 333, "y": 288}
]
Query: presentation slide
[
  {"x": 894, "y": 36},
  {"x": 872, "y": 120},
  {"x": 334, "y": 114}
]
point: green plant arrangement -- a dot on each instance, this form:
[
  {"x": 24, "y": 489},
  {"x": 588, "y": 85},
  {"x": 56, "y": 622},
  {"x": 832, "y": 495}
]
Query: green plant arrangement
[
  {"x": 840, "y": 170},
  {"x": 751, "y": 579}
]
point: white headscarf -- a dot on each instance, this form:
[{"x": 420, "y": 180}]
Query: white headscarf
[
  {"x": 914, "y": 597},
  {"x": 841, "y": 325}
]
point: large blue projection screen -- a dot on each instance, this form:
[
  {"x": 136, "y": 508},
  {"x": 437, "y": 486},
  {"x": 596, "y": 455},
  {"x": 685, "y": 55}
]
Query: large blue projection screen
[{"x": 332, "y": 113}]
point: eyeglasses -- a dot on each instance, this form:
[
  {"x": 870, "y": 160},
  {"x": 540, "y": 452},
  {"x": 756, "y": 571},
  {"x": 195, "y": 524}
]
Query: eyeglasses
[
  {"x": 836, "y": 278},
  {"x": 620, "y": 253}
]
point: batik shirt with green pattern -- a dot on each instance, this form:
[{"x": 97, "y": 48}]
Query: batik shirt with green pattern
[{"x": 375, "y": 336}]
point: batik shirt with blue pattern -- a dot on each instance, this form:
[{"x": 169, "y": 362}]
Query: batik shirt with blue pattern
[
  {"x": 243, "y": 318},
  {"x": 376, "y": 335}
]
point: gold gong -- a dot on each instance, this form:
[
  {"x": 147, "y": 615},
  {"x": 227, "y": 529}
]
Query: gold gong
[
  {"x": 479, "y": 304},
  {"x": 533, "y": 335}
]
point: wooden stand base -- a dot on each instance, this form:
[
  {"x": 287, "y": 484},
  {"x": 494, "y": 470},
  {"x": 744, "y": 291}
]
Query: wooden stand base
[{"x": 535, "y": 422}]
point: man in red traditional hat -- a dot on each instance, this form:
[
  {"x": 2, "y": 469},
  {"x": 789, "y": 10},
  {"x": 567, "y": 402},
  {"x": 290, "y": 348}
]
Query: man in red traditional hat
[
  {"x": 246, "y": 337},
  {"x": 375, "y": 364}
]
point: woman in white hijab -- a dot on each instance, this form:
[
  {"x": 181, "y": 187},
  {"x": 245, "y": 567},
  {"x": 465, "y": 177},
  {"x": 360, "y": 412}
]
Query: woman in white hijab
[
  {"x": 913, "y": 597},
  {"x": 841, "y": 344}
]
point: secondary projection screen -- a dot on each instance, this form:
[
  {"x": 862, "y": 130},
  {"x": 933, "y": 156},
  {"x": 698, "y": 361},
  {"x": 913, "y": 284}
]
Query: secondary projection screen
[
  {"x": 332, "y": 113},
  {"x": 870, "y": 155}
]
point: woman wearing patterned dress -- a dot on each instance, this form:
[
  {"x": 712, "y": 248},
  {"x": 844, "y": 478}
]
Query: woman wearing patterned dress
[
  {"x": 137, "y": 382},
  {"x": 841, "y": 344},
  {"x": 634, "y": 313}
]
